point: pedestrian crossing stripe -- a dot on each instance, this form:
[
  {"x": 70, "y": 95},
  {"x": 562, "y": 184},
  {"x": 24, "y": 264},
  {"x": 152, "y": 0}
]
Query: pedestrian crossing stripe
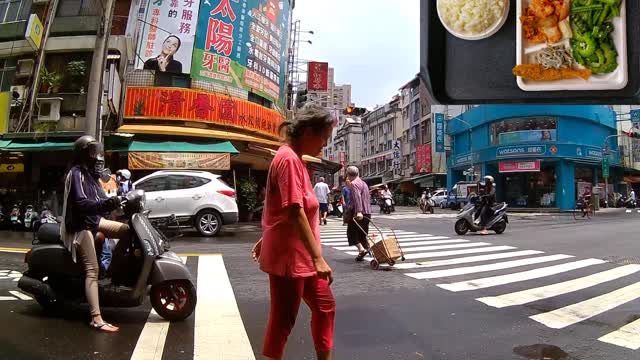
[{"x": 424, "y": 250}]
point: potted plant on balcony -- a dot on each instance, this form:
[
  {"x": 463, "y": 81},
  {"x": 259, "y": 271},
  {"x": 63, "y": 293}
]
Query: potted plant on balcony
[
  {"x": 55, "y": 80},
  {"x": 45, "y": 75},
  {"x": 247, "y": 197},
  {"x": 76, "y": 71}
]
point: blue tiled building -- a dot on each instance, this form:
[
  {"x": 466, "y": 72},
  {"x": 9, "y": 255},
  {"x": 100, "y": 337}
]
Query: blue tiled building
[{"x": 540, "y": 155}]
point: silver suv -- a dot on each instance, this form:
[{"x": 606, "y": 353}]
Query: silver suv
[{"x": 199, "y": 198}]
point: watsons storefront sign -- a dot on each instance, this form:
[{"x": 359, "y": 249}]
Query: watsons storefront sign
[{"x": 508, "y": 151}]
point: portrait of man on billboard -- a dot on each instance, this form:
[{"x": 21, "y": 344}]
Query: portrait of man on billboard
[{"x": 165, "y": 61}]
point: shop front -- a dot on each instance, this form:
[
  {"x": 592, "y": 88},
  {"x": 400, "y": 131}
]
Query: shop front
[{"x": 539, "y": 156}]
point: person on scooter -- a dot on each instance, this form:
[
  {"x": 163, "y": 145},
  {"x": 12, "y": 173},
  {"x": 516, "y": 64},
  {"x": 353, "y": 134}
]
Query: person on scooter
[
  {"x": 387, "y": 194},
  {"x": 487, "y": 200},
  {"x": 84, "y": 204},
  {"x": 123, "y": 178}
]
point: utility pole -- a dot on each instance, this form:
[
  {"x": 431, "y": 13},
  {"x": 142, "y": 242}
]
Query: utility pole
[{"x": 95, "y": 94}]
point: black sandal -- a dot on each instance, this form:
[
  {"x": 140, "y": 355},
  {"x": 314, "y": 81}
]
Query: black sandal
[{"x": 361, "y": 256}]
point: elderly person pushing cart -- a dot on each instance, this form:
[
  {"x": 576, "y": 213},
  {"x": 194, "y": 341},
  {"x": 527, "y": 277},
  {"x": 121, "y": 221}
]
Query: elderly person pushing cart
[{"x": 360, "y": 208}]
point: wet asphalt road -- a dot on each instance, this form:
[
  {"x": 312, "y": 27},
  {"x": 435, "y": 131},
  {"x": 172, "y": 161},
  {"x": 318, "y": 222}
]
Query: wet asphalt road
[{"x": 381, "y": 314}]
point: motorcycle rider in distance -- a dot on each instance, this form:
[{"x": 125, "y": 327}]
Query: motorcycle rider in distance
[
  {"x": 84, "y": 204},
  {"x": 386, "y": 194},
  {"x": 487, "y": 200},
  {"x": 123, "y": 178}
]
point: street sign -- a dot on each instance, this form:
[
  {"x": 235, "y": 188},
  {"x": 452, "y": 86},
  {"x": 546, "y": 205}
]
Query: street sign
[
  {"x": 635, "y": 116},
  {"x": 605, "y": 167}
]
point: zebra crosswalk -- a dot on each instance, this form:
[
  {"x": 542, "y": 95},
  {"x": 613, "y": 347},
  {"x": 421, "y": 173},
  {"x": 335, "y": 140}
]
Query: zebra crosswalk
[{"x": 490, "y": 268}]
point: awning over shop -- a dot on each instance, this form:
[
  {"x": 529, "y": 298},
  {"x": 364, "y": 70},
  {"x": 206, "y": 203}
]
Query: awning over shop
[
  {"x": 632, "y": 179},
  {"x": 16, "y": 145},
  {"x": 428, "y": 180},
  {"x": 194, "y": 132},
  {"x": 182, "y": 146},
  {"x": 314, "y": 162},
  {"x": 4, "y": 143}
]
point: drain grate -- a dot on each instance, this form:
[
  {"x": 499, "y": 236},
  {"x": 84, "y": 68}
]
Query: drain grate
[{"x": 622, "y": 260}]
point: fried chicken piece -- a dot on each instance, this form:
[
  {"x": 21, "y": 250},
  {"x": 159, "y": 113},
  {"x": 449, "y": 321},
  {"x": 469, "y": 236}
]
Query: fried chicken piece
[
  {"x": 563, "y": 9},
  {"x": 530, "y": 29},
  {"x": 549, "y": 26},
  {"x": 537, "y": 72},
  {"x": 542, "y": 8}
]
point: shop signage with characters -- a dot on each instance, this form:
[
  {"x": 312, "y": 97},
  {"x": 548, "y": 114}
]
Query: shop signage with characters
[
  {"x": 179, "y": 161},
  {"x": 243, "y": 44},
  {"x": 156, "y": 103}
]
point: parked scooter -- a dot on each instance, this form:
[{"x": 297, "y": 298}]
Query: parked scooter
[
  {"x": 30, "y": 217},
  {"x": 336, "y": 206},
  {"x": 466, "y": 218},
  {"x": 53, "y": 278},
  {"x": 46, "y": 217},
  {"x": 15, "y": 217},
  {"x": 426, "y": 203},
  {"x": 385, "y": 205}
]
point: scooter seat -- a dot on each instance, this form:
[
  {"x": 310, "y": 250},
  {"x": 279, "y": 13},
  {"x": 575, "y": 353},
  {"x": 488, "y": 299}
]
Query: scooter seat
[{"x": 49, "y": 234}]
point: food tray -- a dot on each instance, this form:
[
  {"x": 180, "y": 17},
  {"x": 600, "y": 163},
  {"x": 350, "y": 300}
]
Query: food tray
[
  {"x": 457, "y": 71},
  {"x": 613, "y": 81}
]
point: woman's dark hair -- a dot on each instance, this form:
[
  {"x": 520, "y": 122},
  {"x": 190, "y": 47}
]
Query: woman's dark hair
[{"x": 310, "y": 116}]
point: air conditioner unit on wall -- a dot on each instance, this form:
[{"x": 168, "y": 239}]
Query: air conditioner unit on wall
[
  {"x": 24, "y": 67},
  {"x": 49, "y": 109}
]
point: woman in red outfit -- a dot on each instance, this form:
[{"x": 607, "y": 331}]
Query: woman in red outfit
[{"x": 289, "y": 250}]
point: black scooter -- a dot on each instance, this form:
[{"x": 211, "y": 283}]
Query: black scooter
[{"x": 53, "y": 278}]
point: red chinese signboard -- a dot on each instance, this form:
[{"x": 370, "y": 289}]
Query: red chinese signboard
[
  {"x": 318, "y": 76},
  {"x": 519, "y": 166},
  {"x": 155, "y": 103},
  {"x": 423, "y": 158}
]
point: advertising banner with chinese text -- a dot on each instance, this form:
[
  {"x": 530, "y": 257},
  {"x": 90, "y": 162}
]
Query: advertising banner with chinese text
[
  {"x": 439, "y": 132},
  {"x": 317, "y": 76},
  {"x": 427, "y": 159},
  {"x": 519, "y": 166},
  {"x": 419, "y": 157},
  {"x": 168, "y": 32},
  {"x": 179, "y": 161},
  {"x": 156, "y": 103},
  {"x": 243, "y": 44}
]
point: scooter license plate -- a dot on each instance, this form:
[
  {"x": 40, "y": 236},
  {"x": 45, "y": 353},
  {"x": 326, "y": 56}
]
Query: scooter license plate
[{"x": 14, "y": 218}]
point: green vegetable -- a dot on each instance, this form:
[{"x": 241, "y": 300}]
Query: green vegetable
[
  {"x": 603, "y": 15},
  {"x": 610, "y": 2},
  {"x": 585, "y": 45},
  {"x": 579, "y": 9},
  {"x": 606, "y": 60}
]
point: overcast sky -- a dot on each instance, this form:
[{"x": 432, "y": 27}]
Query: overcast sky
[{"x": 371, "y": 44}]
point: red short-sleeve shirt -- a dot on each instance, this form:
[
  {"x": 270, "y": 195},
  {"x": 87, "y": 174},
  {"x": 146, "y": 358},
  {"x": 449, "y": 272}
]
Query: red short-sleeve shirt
[{"x": 283, "y": 253}]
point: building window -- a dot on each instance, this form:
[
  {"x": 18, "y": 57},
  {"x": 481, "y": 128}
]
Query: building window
[
  {"x": 14, "y": 10},
  {"x": 79, "y": 8},
  {"x": 524, "y": 130},
  {"x": 7, "y": 73}
]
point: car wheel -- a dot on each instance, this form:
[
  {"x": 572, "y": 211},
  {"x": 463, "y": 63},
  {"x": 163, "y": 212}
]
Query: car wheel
[{"x": 208, "y": 223}]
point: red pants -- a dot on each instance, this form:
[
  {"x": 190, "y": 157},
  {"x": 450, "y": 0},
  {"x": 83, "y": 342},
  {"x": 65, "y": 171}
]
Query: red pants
[{"x": 286, "y": 293}]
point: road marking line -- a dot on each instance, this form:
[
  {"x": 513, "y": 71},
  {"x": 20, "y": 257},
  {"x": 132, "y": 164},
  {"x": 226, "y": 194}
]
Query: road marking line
[
  {"x": 483, "y": 268},
  {"x": 569, "y": 315},
  {"x": 219, "y": 332},
  {"x": 464, "y": 260},
  {"x": 198, "y": 254},
  {"x": 16, "y": 250},
  {"x": 446, "y": 253},
  {"x": 344, "y": 248},
  {"x": 411, "y": 237},
  {"x": 20, "y": 295},
  {"x": 386, "y": 233},
  {"x": 627, "y": 336},
  {"x": 520, "y": 276},
  {"x": 442, "y": 247},
  {"x": 544, "y": 292},
  {"x": 150, "y": 345},
  {"x": 7, "y": 298},
  {"x": 402, "y": 240}
]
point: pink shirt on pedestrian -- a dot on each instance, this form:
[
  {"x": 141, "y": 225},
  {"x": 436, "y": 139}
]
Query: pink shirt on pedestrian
[{"x": 283, "y": 253}]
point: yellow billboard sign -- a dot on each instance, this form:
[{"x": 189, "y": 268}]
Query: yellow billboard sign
[
  {"x": 34, "y": 32},
  {"x": 11, "y": 168},
  {"x": 5, "y": 107}
]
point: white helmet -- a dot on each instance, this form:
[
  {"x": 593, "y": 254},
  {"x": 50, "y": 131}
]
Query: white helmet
[
  {"x": 489, "y": 179},
  {"x": 126, "y": 174}
]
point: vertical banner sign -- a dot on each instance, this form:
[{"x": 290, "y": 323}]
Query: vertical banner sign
[
  {"x": 168, "y": 34},
  {"x": 605, "y": 167},
  {"x": 243, "y": 44},
  {"x": 317, "y": 76},
  {"x": 427, "y": 159},
  {"x": 397, "y": 156},
  {"x": 439, "y": 132},
  {"x": 635, "y": 118},
  {"x": 419, "y": 157},
  {"x": 343, "y": 162}
]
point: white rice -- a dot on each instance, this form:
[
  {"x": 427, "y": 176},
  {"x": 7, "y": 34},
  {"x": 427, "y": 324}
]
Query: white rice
[{"x": 471, "y": 17}]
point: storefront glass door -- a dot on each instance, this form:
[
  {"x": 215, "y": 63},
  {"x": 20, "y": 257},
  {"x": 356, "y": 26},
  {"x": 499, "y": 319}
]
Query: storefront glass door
[{"x": 530, "y": 190}]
